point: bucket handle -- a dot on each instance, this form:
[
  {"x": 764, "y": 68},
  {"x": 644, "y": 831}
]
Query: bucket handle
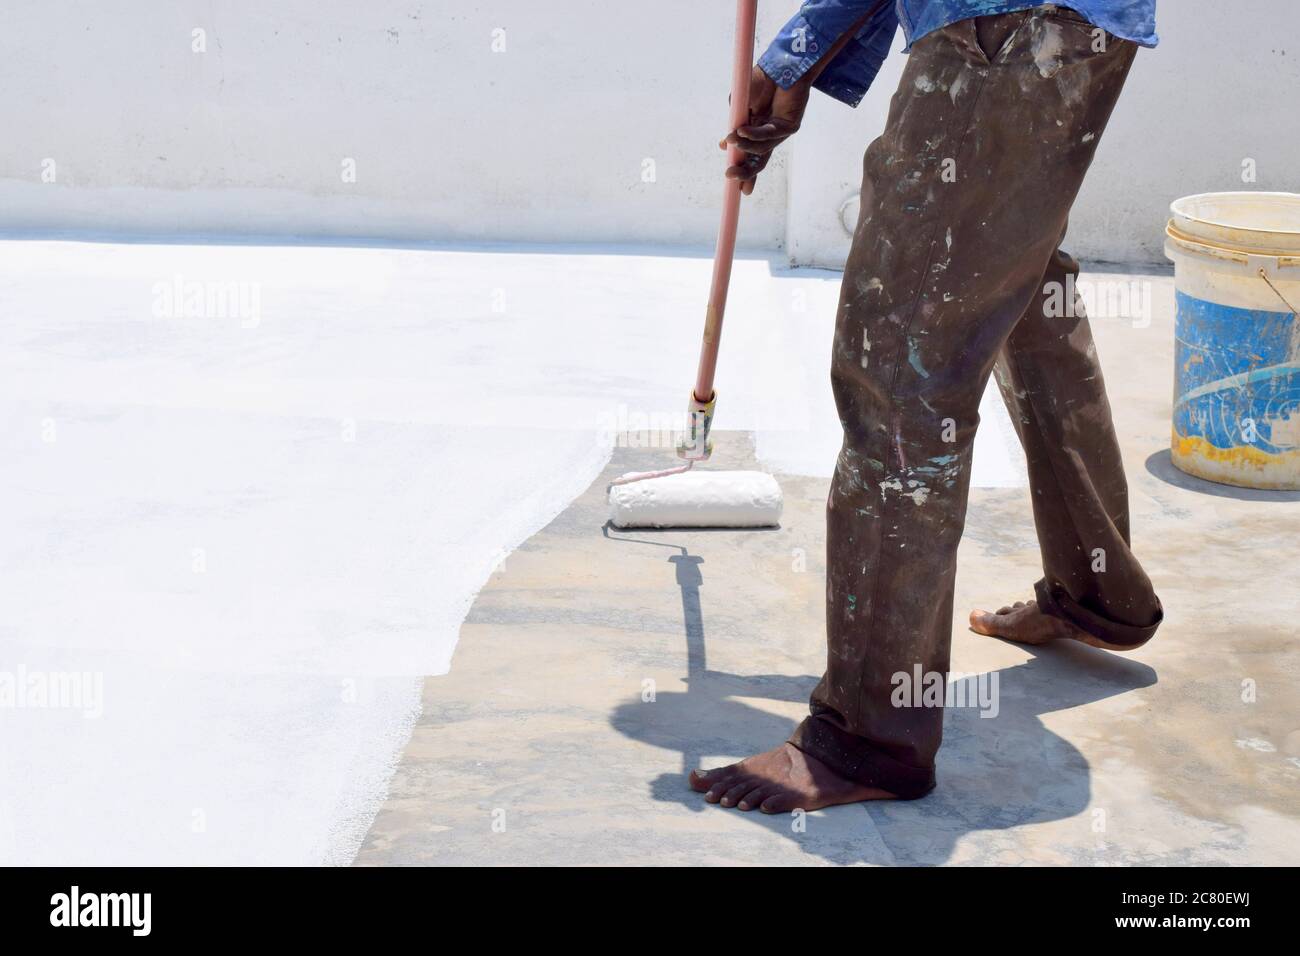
[
  {"x": 1264, "y": 266},
  {"x": 1263, "y": 274}
]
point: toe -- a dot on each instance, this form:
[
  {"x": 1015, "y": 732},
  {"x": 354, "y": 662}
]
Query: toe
[
  {"x": 755, "y": 797},
  {"x": 783, "y": 801},
  {"x": 703, "y": 780},
  {"x": 720, "y": 788},
  {"x": 739, "y": 790},
  {"x": 982, "y": 622}
]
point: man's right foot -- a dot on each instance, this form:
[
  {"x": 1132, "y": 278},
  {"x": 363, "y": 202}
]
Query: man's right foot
[{"x": 780, "y": 780}]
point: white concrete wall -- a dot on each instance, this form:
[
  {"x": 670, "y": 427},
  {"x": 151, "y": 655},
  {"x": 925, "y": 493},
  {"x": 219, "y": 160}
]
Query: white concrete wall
[{"x": 545, "y": 141}]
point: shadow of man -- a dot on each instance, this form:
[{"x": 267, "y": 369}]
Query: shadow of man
[{"x": 1000, "y": 766}]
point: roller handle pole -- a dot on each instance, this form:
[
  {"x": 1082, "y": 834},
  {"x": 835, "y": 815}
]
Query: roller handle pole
[{"x": 742, "y": 66}]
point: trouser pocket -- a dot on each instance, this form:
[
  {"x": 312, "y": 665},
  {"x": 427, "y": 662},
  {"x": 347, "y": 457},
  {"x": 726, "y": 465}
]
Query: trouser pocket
[
  {"x": 992, "y": 33},
  {"x": 1066, "y": 13},
  {"x": 1076, "y": 20}
]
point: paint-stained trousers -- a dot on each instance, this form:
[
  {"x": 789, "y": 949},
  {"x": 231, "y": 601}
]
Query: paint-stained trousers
[{"x": 955, "y": 268}]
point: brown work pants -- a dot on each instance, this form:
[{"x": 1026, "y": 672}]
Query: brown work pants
[{"x": 954, "y": 268}]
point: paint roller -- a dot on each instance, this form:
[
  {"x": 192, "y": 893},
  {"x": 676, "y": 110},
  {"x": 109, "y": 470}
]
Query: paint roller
[{"x": 679, "y": 497}]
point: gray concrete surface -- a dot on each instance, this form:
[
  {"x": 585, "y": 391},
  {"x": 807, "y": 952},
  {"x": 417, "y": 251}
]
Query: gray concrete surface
[{"x": 542, "y": 745}]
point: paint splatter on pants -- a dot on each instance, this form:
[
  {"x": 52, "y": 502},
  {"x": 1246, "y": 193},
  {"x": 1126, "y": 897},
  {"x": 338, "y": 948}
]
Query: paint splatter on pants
[{"x": 955, "y": 268}]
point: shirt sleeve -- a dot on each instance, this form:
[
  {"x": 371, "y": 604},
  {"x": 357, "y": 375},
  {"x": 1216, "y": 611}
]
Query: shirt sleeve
[{"x": 814, "y": 30}]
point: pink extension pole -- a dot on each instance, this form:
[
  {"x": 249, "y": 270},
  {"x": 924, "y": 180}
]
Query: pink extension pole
[
  {"x": 695, "y": 445},
  {"x": 742, "y": 66}
]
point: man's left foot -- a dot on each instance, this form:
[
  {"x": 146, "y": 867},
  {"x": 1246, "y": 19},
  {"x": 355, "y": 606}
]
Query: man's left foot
[
  {"x": 1025, "y": 623},
  {"x": 780, "y": 780}
]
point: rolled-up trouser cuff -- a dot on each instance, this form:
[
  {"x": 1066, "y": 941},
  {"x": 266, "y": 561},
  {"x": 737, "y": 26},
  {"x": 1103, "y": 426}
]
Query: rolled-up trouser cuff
[
  {"x": 1053, "y": 600},
  {"x": 854, "y": 758}
]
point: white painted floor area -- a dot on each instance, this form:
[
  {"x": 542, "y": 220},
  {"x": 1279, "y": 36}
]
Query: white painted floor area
[{"x": 261, "y": 528}]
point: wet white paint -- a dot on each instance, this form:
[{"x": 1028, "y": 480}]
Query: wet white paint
[{"x": 263, "y": 534}]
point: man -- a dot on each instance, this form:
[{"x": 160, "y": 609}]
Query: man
[{"x": 955, "y": 267}]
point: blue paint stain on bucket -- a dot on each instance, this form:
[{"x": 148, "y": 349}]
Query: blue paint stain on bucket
[{"x": 1237, "y": 379}]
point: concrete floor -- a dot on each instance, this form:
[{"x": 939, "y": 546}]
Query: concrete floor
[
  {"x": 262, "y": 529},
  {"x": 246, "y": 496},
  {"x": 597, "y": 667}
]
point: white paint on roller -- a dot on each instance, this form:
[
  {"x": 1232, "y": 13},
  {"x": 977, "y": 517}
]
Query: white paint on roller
[{"x": 698, "y": 499}]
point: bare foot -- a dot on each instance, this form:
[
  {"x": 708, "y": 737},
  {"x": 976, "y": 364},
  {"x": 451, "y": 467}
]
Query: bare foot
[
  {"x": 1024, "y": 623},
  {"x": 781, "y": 780}
]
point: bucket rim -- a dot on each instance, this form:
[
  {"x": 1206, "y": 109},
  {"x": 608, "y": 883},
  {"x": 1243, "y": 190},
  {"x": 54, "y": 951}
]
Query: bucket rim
[
  {"x": 1203, "y": 247},
  {"x": 1180, "y": 211}
]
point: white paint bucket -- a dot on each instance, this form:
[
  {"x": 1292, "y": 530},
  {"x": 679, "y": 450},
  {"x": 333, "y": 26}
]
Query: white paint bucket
[{"x": 1237, "y": 360}]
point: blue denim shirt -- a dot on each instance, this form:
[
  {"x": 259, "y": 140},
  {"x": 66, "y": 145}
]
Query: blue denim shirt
[{"x": 819, "y": 23}]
